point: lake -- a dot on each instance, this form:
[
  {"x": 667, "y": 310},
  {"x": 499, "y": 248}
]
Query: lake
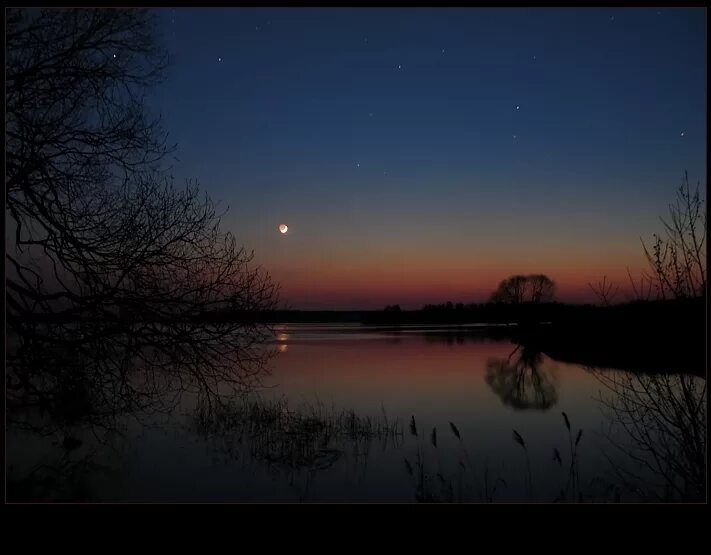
[{"x": 354, "y": 414}]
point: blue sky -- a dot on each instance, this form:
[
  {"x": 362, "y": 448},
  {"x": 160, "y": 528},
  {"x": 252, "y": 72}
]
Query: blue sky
[{"x": 468, "y": 132}]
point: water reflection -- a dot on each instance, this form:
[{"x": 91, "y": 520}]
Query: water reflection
[
  {"x": 296, "y": 443},
  {"x": 72, "y": 388},
  {"x": 80, "y": 374},
  {"x": 463, "y": 450},
  {"x": 64, "y": 470},
  {"x": 309, "y": 436},
  {"x": 522, "y": 383},
  {"x": 464, "y": 335}
]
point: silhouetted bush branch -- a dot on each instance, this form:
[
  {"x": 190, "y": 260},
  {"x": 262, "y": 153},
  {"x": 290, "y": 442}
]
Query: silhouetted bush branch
[
  {"x": 678, "y": 259},
  {"x": 605, "y": 291},
  {"x": 110, "y": 266},
  {"x": 663, "y": 420}
]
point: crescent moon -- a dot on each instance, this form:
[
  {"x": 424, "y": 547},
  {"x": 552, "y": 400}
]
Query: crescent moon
[{"x": 283, "y": 228}]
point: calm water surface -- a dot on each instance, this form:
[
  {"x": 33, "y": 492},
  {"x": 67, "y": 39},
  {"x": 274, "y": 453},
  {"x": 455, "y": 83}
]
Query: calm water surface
[{"x": 486, "y": 387}]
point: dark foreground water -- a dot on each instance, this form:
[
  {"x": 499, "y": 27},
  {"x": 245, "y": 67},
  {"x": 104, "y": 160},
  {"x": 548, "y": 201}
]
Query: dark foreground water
[{"x": 436, "y": 416}]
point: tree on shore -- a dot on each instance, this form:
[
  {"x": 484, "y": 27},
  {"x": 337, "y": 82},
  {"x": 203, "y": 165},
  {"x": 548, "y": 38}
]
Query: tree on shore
[
  {"x": 98, "y": 232},
  {"x": 676, "y": 259},
  {"x": 518, "y": 289}
]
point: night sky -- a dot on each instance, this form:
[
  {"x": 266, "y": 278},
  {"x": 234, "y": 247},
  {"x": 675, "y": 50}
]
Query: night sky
[{"x": 422, "y": 155}]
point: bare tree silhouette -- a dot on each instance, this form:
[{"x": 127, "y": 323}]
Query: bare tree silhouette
[
  {"x": 518, "y": 289},
  {"x": 678, "y": 260},
  {"x": 663, "y": 421},
  {"x": 605, "y": 291},
  {"x": 110, "y": 267}
]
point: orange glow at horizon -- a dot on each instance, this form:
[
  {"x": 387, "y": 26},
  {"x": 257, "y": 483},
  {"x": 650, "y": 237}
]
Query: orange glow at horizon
[
  {"x": 413, "y": 288},
  {"x": 319, "y": 272}
]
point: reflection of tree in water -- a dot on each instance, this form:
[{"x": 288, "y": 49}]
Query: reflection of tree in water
[
  {"x": 66, "y": 474},
  {"x": 73, "y": 378},
  {"x": 521, "y": 383},
  {"x": 451, "y": 338},
  {"x": 463, "y": 336},
  {"x": 79, "y": 401},
  {"x": 658, "y": 422}
]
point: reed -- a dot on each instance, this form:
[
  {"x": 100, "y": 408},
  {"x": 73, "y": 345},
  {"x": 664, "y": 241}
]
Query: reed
[
  {"x": 529, "y": 481},
  {"x": 307, "y": 437},
  {"x": 573, "y": 480},
  {"x": 467, "y": 477}
]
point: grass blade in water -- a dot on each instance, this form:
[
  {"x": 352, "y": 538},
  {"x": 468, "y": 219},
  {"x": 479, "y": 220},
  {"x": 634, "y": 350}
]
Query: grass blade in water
[
  {"x": 577, "y": 439},
  {"x": 567, "y": 422},
  {"x": 413, "y": 427}
]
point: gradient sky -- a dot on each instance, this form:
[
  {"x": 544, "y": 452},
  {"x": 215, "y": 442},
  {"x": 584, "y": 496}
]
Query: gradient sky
[{"x": 422, "y": 155}]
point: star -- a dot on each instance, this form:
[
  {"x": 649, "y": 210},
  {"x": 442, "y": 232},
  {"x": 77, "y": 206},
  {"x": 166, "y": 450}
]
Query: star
[
  {"x": 514, "y": 136},
  {"x": 534, "y": 57},
  {"x": 399, "y": 66},
  {"x": 443, "y": 51},
  {"x": 682, "y": 133},
  {"x": 219, "y": 59},
  {"x": 114, "y": 55},
  {"x": 357, "y": 165},
  {"x": 517, "y": 107}
]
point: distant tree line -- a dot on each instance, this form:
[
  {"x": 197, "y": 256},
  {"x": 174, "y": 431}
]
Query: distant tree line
[{"x": 514, "y": 290}]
